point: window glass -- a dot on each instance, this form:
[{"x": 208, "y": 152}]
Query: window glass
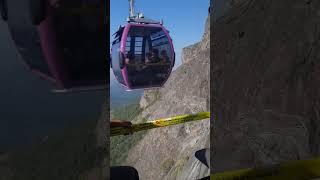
[
  {"x": 145, "y": 64},
  {"x": 79, "y": 37},
  {"x": 116, "y": 62}
]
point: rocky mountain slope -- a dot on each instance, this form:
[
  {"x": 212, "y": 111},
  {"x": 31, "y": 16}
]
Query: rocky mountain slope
[
  {"x": 168, "y": 153},
  {"x": 266, "y": 92}
]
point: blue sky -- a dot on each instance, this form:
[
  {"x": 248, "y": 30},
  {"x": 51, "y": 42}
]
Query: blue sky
[{"x": 184, "y": 19}]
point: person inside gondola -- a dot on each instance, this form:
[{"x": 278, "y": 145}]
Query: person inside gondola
[
  {"x": 164, "y": 56},
  {"x": 133, "y": 68},
  {"x": 165, "y": 64},
  {"x": 129, "y": 61},
  {"x": 155, "y": 71},
  {"x": 129, "y": 58},
  {"x": 155, "y": 56},
  {"x": 148, "y": 57},
  {"x": 161, "y": 69}
]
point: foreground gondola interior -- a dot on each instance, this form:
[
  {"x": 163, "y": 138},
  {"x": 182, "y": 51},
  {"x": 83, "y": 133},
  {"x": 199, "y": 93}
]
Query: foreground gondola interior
[{"x": 62, "y": 43}]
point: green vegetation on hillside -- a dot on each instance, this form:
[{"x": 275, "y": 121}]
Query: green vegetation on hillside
[
  {"x": 121, "y": 145},
  {"x": 127, "y": 113}
]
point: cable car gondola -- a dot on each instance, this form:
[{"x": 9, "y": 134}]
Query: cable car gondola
[
  {"x": 142, "y": 53},
  {"x": 60, "y": 41}
]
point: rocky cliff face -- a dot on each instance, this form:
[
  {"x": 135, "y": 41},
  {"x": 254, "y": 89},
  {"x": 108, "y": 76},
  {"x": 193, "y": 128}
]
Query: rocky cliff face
[
  {"x": 266, "y": 83},
  {"x": 168, "y": 153}
]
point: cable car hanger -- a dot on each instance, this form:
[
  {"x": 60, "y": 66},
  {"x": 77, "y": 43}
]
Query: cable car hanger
[{"x": 139, "y": 18}]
